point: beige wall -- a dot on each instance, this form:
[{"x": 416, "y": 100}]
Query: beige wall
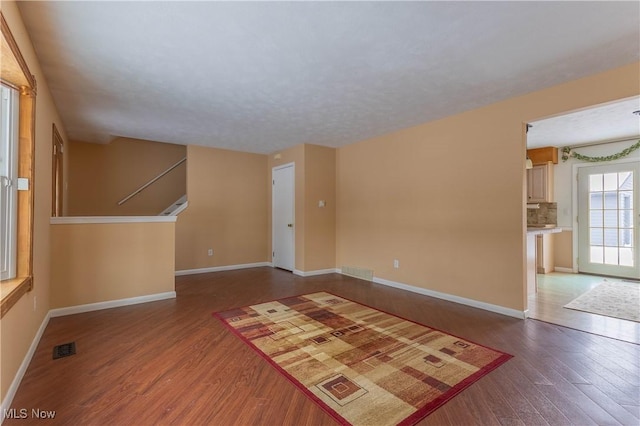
[
  {"x": 19, "y": 326},
  {"x": 447, "y": 198},
  {"x": 227, "y": 211},
  {"x": 320, "y": 222},
  {"x": 315, "y": 227},
  {"x": 105, "y": 262},
  {"x": 102, "y": 175}
]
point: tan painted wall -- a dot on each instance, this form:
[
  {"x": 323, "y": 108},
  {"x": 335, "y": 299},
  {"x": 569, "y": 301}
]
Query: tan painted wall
[
  {"x": 315, "y": 227},
  {"x": 447, "y": 198},
  {"x": 19, "y": 326},
  {"x": 320, "y": 222},
  {"x": 227, "y": 210},
  {"x": 563, "y": 249},
  {"x": 102, "y": 175},
  {"x": 104, "y": 262}
]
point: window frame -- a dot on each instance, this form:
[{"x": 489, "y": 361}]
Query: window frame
[{"x": 15, "y": 73}]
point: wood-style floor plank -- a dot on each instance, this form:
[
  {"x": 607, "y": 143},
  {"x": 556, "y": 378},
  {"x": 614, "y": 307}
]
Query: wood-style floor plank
[{"x": 172, "y": 363}]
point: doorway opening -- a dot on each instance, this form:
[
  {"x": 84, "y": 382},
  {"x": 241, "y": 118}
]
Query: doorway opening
[{"x": 599, "y": 220}]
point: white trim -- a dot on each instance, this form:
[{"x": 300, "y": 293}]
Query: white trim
[
  {"x": 566, "y": 228},
  {"x": 180, "y": 209},
  {"x": 566, "y": 270},
  {"x": 69, "y": 220},
  {"x": 11, "y": 392},
  {"x": 78, "y": 309},
  {"x": 284, "y": 166},
  {"x": 221, "y": 268},
  {"x": 317, "y": 272},
  {"x": 452, "y": 298}
]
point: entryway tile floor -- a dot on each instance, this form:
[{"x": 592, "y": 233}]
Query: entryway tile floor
[{"x": 556, "y": 289}]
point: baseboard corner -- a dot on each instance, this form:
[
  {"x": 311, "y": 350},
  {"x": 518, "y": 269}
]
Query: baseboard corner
[
  {"x": 89, "y": 307},
  {"x": 316, "y": 272},
  {"x": 565, "y": 270},
  {"x": 221, "y": 268}
]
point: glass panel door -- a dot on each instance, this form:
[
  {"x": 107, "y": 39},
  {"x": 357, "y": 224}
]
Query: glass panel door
[{"x": 607, "y": 220}]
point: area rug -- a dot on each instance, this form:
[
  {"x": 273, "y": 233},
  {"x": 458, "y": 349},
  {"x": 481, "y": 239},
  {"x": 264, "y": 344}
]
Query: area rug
[
  {"x": 361, "y": 365},
  {"x": 611, "y": 299}
]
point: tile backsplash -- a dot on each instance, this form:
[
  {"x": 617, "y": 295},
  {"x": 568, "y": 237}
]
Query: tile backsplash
[{"x": 547, "y": 214}]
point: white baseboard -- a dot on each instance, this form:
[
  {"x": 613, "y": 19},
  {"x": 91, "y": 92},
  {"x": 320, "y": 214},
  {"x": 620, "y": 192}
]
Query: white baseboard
[
  {"x": 78, "y": 309},
  {"x": 452, "y": 298},
  {"x": 317, "y": 272},
  {"x": 11, "y": 392},
  {"x": 561, "y": 269},
  {"x": 221, "y": 268}
]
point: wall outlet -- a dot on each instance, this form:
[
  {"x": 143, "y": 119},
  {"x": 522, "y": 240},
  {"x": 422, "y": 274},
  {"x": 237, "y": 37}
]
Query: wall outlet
[
  {"x": 396, "y": 263},
  {"x": 210, "y": 252}
]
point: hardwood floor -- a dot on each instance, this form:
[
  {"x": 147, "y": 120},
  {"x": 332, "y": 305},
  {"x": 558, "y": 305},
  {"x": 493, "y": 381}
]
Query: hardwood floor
[
  {"x": 556, "y": 289},
  {"x": 171, "y": 362}
]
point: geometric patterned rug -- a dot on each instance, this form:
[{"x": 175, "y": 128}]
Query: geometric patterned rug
[
  {"x": 361, "y": 365},
  {"x": 617, "y": 300}
]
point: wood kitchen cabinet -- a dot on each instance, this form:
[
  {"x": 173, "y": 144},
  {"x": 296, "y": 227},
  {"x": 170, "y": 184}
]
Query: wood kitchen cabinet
[{"x": 540, "y": 183}]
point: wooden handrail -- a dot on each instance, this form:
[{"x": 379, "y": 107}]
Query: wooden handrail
[{"x": 146, "y": 185}]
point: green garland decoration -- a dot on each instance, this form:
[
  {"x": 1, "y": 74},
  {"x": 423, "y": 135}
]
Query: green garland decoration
[{"x": 567, "y": 153}]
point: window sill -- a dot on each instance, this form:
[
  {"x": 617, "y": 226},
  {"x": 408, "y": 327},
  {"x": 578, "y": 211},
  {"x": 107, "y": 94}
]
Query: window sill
[{"x": 11, "y": 291}]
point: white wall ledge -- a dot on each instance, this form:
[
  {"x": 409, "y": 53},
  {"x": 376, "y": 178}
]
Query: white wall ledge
[{"x": 69, "y": 220}]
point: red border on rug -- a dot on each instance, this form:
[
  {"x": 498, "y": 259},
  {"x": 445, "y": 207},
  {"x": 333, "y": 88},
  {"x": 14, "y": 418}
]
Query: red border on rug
[{"x": 412, "y": 419}]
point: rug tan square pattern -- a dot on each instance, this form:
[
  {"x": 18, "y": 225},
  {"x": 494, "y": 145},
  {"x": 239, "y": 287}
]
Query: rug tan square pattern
[
  {"x": 361, "y": 365},
  {"x": 612, "y": 299}
]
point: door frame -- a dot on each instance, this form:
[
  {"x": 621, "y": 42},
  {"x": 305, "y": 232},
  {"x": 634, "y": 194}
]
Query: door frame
[
  {"x": 57, "y": 178},
  {"x": 575, "y": 206},
  {"x": 273, "y": 169}
]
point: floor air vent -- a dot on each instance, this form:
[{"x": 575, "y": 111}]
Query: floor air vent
[
  {"x": 61, "y": 351},
  {"x": 362, "y": 273}
]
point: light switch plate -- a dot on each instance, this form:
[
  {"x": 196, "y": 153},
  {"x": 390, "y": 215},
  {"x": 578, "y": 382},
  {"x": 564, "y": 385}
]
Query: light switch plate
[{"x": 23, "y": 184}]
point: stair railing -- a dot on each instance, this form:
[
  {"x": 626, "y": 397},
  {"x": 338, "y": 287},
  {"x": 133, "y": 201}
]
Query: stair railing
[{"x": 148, "y": 184}]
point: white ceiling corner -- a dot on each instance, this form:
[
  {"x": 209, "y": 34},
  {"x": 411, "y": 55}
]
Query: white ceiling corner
[{"x": 263, "y": 76}]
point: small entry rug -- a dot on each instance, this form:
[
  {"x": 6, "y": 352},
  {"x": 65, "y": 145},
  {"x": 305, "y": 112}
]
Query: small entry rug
[
  {"x": 611, "y": 299},
  {"x": 361, "y": 365}
]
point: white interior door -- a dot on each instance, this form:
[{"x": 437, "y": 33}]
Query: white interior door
[
  {"x": 608, "y": 219},
  {"x": 283, "y": 214}
]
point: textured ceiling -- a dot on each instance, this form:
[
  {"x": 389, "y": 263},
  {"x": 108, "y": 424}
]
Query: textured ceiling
[
  {"x": 262, "y": 76},
  {"x": 610, "y": 122}
]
